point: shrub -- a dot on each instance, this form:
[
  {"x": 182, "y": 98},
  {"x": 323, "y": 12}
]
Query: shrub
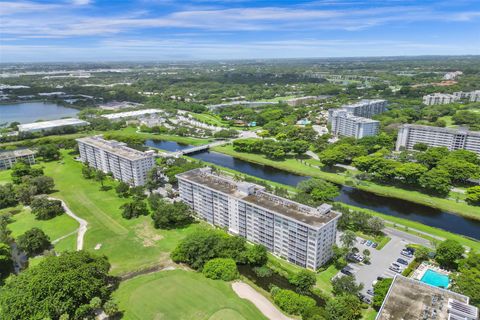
[
  {"x": 292, "y": 302},
  {"x": 221, "y": 269},
  {"x": 262, "y": 271}
]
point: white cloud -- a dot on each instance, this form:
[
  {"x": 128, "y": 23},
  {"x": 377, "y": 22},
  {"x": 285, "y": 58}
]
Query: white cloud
[{"x": 81, "y": 2}]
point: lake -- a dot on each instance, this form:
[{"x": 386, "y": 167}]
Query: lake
[
  {"x": 363, "y": 199},
  {"x": 27, "y": 112}
]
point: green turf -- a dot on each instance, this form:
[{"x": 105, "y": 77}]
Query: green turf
[
  {"x": 129, "y": 244},
  {"x": 180, "y": 295},
  {"x": 369, "y": 314},
  {"x": 209, "y": 119},
  {"x": 132, "y": 131},
  {"x": 295, "y": 166}
]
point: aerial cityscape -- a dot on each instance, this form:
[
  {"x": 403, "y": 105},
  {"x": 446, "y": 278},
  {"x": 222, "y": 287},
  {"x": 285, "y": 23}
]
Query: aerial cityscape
[{"x": 239, "y": 160}]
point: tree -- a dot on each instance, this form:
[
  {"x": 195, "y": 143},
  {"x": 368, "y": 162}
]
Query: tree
[
  {"x": 171, "y": 215},
  {"x": 122, "y": 189},
  {"x": 111, "y": 308},
  {"x": 345, "y": 307},
  {"x": 410, "y": 172},
  {"x": 432, "y": 156},
  {"x": 155, "y": 179},
  {"x": 375, "y": 225},
  {"x": 33, "y": 242},
  {"x": 448, "y": 252},
  {"x": 43, "y": 184},
  {"x": 467, "y": 280},
  {"x": 459, "y": 170},
  {"x": 436, "y": 181},
  {"x": 87, "y": 171},
  {"x": 345, "y": 285},
  {"x": 348, "y": 238},
  {"x": 319, "y": 190},
  {"x": 45, "y": 209},
  {"x": 58, "y": 285},
  {"x": 96, "y": 303},
  {"x": 291, "y": 302},
  {"x": 7, "y": 196},
  {"x": 422, "y": 253},
  {"x": 48, "y": 152},
  {"x": 304, "y": 280},
  {"x": 134, "y": 209},
  {"x": 221, "y": 269},
  {"x": 256, "y": 255},
  {"x": 380, "y": 290},
  {"x": 25, "y": 193},
  {"x": 473, "y": 195},
  {"x": 100, "y": 176},
  {"x": 21, "y": 169},
  {"x": 6, "y": 262},
  {"x": 366, "y": 252},
  {"x": 420, "y": 146}
]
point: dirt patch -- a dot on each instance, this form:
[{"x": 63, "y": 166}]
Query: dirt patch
[{"x": 147, "y": 234}]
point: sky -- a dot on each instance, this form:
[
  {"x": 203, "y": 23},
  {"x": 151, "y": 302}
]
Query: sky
[{"x": 171, "y": 30}]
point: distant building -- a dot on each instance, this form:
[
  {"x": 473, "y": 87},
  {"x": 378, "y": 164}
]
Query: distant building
[
  {"x": 49, "y": 125},
  {"x": 347, "y": 125},
  {"x": 131, "y": 114},
  {"x": 409, "y": 135},
  {"x": 301, "y": 234},
  {"x": 473, "y": 96},
  {"x": 439, "y": 98},
  {"x": 126, "y": 164},
  {"x": 9, "y": 158},
  {"x": 409, "y": 299},
  {"x": 452, "y": 75},
  {"x": 366, "y": 108},
  {"x": 294, "y": 102},
  {"x": 249, "y": 104},
  {"x": 115, "y": 105}
]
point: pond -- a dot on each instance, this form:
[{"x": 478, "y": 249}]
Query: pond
[
  {"x": 348, "y": 195},
  {"x": 32, "y": 111}
]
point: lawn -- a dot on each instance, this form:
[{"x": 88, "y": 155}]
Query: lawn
[
  {"x": 180, "y": 295},
  {"x": 295, "y": 166},
  {"x": 132, "y": 131},
  {"x": 130, "y": 245},
  {"x": 324, "y": 277},
  {"x": 369, "y": 314},
  {"x": 209, "y": 119}
]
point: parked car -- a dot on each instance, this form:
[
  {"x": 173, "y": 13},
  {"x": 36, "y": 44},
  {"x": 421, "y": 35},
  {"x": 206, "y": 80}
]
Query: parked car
[
  {"x": 363, "y": 241},
  {"x": 380, "y": 278},
  {"x": 394, "y": 269},
  {"x": 370, "y": 292},
  {"x": 346, "y": 271},
  {"x": 369, "y": 243},
  {"x": 367, "y": 300},
  {"x": 396, "y": 265},
  {"x": 402, "y": 261},
  {"x": 406, "y": 253},
  {"x": 374, "y": 245}
]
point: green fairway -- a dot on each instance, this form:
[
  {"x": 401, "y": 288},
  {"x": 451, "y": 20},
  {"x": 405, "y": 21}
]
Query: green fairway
[
  {"x": 132, "y": 131},
  {"x": 209, "y": 119},
  {"x": 180, "y": 295},
  {"x": 129, "y": 244},
  {"x": 294, "y": 166}
]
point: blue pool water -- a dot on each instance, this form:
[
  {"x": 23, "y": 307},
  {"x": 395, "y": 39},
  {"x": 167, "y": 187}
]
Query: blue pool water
[{"x": 436, "y": 279}]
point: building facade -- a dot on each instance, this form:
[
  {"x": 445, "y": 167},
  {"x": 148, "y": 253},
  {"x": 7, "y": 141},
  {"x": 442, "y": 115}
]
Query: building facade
[
  {"x": 9, "y": 158},
  {"x": 300, "y": 234},
  {"x": 409, "y": 135},
  {"x": 50, "y": 125},
  {"x": 439, "y": 98},
  {"x": 110, "y": 156},
  {"x": 347, "y": 125},
  {"x": 366, "y": 108}
]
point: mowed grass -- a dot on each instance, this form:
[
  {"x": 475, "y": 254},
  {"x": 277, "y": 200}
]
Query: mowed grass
[
  {"x": 209, "y": 119},
  {"x": 132, "y": 131},
  {"x": 130, "y": 245},
  {"x": 180, "y": 294},
  {"x": 294, "y": 166}
]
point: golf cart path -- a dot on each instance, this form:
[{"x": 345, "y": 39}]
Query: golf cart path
[
  {"x": 245, "y": 291},
  {"x": 83, "y": 223}
]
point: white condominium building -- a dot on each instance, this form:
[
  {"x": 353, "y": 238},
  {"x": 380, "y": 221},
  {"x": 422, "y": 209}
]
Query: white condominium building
[
  {"x": 473, "y": 96},
  {"x": 9, "y": 158},
  {"x": 347, "y": 125},
  {"x": 366, "y": 108},
  {"x": 410, "y": 134},
  {"x": 300, "y": 234},
  {"x": 50, "y": 125},
  {"x": 126, "y": 164},
  {"x": 439, "y": 98}
]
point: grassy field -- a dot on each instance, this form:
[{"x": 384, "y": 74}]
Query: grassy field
[
  {"x": 295, "y": 166},
  {"x": 129, "y": 244},
  {"x": 369, "y": 314},
  {"x": 209, "y": 119},
  {"x": 132, "y": 131},
  {"x": 180, "y": 295}
]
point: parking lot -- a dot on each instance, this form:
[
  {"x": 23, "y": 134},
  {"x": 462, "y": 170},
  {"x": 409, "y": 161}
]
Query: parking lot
[{"x": 380, "y": 261}]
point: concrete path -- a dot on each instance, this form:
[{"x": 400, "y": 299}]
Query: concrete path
[
  {"x": 83, "y": 224},
  {"x": 245, "y": 291},
  {"x": 312, "y": 154}
]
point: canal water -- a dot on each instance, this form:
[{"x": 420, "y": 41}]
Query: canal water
[
  {"x": 33, "y": 111},
  {"x": 363, "y": 199}
]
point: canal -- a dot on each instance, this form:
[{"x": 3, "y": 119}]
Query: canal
[{"x": 348, "y": 195}]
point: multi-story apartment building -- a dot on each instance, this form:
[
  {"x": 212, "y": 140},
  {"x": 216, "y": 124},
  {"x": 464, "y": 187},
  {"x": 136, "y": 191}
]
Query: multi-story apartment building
[
  {"x": 410, "y": 134},
  {"x": 439, "y": 98},
  {"x": 473, "y": 96},
  {"x": 126, "y": 164},
  {"x": 9, "y": 158},
  {"x": 301, "y": 234},
  {"x": 366, "y": 108},
  {"x": 347, "y": 125}
]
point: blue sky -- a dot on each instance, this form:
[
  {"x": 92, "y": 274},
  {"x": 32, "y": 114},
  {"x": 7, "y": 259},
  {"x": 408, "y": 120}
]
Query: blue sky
[{"x": 101, "y": 30}]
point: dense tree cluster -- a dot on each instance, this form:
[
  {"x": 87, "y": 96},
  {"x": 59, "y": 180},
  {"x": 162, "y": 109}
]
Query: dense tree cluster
[
  {"x": 316, "y": 191},
  {"x": 58, "y": 287},
  {"x": 170, "y": 215},
  {"x": 221, "y": 269},
  {"x": 292, "y": 302},
  {"x": 45, "y": 209},
  {"x": 270, "y": 148},
  {"x": 467, "y": 280},
  {"x": 33, "y": 242},
  {"x": 380, "y": 290},
  {"x": 359, "y": 221}
]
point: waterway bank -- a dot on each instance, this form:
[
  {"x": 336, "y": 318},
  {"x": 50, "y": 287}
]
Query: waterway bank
[{"x": 299, "y": 168}]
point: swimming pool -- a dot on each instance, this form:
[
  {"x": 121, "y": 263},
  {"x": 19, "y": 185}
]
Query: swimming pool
[{"x": 435, "y": 278}]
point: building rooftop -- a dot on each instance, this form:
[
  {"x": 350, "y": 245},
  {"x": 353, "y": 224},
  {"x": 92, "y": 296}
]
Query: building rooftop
[
  {"x": 441, "y": 129},
  {"x": 345, "y": 114},
  {"x": 363, "y": 103},
  {"x": 129, "y": 114},
  {"x": 409, "y": 299},
  {"x": 437, "y": 94},
  {"x": 256, "y": 195},
  {"x": 15, "y": 153},
  {"x": 115, "y": 147},
  {"x": 51, "y": 124}
]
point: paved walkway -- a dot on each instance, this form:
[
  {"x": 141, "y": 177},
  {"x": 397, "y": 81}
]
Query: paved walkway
[
  {"x": 312, "y": 154},
  {"x": 83, "y": 224},
  {"x": 245, "y": 291}
]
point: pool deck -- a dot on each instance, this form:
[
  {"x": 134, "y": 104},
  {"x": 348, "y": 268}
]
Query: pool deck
[{"x": 423, "y": 267}]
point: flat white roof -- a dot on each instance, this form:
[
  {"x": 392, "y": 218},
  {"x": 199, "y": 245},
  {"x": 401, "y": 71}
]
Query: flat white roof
[
  {"x": 51, "y": 124},
  {"x": 130, "y": 113}
]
